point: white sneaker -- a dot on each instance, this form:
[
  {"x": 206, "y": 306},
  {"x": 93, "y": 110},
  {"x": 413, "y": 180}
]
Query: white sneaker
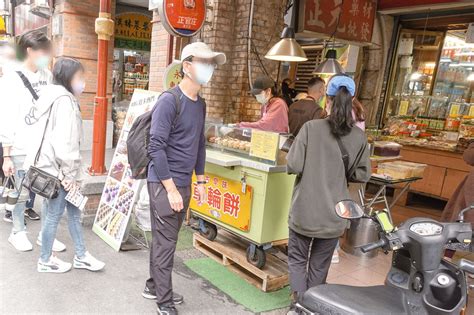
[
  {"x": 20, "y": 241},
  {"x": 335, "y": 258},
  {"x": 57, "y": 245},
  {"x": 88, "y": 262},
  {"x": 54, "y": 265}
]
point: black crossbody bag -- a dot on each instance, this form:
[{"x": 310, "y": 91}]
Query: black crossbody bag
[
  {"x": 345, "y": 159},
  {"x": 39, "y": 181}
]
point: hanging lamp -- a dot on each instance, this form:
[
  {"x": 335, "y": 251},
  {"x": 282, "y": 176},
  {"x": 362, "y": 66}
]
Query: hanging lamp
[
  {"x": 287, "y": 49},
  {"x": 330, "y": 65}
]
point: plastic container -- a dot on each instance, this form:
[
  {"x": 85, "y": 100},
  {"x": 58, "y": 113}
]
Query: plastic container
[
  {"x": 417, "y": 169},
  {"x": 394, "y": 170},
  {"x": 386, "y": 148},
  {"x": 452, "y": 123}
]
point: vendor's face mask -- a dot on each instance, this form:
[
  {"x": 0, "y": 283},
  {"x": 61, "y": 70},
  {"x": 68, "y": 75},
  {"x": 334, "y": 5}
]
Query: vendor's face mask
[{"x": 262, "y": 98}]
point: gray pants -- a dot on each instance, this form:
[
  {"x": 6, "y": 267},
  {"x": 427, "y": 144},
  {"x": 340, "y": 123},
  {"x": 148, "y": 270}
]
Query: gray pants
[
  {"x": 165, "y": 225},
  {"x": 309, "y": 260}
]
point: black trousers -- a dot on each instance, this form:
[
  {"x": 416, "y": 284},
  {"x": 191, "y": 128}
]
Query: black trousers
[
  {"x": 309, "y": 260},
  {"x": 165, "y": 225}
]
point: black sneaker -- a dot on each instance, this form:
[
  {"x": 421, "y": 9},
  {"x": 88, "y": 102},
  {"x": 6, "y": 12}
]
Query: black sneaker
[
  {"x": 148, "y": 294},
  {"x": 166, "y": 309},
  {"x": 31, "y": 214},
  {"x": 8, "y": 216}
]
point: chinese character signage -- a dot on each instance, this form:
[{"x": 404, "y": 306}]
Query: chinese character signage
[
  {"x": 133, "y": 31},
  {"x": 120, "y": 190},
  {"x": 225, "y": 202},
  {"x": 183, "y": 18},
  {"x": 353, "y": 19},
  {"x": 171, "y": 77}
]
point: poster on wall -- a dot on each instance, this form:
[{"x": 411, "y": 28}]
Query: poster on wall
[
  {"x": 120, "y": 190},
  {"x": 182, "y": 18}
]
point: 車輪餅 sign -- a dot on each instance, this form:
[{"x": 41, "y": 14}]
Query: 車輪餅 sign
[
  {"x": 182, "y": 18},
  {"x": 228, "y": 201},
  {"x": 347, "y": 20}
]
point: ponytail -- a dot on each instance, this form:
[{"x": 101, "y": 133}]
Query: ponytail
[{"x": 340, "y": 119}]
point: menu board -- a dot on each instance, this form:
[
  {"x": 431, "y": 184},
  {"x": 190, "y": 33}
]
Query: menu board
[
  {"x": 264, "y": 144},
  {"x": 120, "y": 190}
]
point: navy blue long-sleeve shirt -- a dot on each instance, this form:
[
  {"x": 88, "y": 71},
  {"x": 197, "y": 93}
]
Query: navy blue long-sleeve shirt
[{"x": 176, "y": 151}]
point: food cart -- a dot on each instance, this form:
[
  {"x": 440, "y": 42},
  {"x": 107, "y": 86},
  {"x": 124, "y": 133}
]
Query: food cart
[{"x": 248, "y": 190}]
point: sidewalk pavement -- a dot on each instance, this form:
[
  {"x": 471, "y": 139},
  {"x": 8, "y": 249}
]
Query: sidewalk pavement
[{"x": 115, "y": 290}]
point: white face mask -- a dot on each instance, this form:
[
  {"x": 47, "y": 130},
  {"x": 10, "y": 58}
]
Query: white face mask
[
  {"x": 261, "y": 98},
  {"x": 203, "y": 72}
]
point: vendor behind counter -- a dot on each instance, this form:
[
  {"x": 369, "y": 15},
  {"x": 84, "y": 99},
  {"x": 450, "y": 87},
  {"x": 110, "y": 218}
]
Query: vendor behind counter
[{"x": 274, "y": 116}]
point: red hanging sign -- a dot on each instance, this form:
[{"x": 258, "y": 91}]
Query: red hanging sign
[
  {"x": 348, "y": 20},
  {"x": 183, "y": 18}
]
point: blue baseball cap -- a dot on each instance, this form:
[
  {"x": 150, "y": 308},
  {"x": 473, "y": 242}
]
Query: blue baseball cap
[{"x": 338, "y": 81}]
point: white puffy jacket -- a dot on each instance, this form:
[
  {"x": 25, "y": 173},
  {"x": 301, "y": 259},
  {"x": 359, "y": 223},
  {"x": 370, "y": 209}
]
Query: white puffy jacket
[{"x": 60, "y": 153}]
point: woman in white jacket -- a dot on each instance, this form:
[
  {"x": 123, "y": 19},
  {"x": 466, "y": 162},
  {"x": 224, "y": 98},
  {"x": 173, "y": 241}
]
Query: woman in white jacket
[{"x": 60, "y": 155}]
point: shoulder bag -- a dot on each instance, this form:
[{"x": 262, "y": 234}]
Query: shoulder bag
[{"x": 39, "y": 181}]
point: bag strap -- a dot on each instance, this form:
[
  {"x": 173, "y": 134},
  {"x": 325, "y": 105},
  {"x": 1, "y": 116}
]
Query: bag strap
[
  {"x": 345, "y": 156},
  {"x": 177, "y": 98},
  {"x": 27, "y": 84}
]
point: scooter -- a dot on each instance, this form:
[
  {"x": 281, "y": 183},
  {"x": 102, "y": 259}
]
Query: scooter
[{"x": 420, "y": 281}]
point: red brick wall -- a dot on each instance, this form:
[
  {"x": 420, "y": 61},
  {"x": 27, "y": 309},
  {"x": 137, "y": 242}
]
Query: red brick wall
[
  {"x": 159, "y": 52},
  {"x": 227, "y": 95},
  {"x": 79, "y": 40}
]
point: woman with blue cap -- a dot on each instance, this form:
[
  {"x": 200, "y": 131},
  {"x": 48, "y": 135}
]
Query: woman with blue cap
[{"x": 322, "y": 180}]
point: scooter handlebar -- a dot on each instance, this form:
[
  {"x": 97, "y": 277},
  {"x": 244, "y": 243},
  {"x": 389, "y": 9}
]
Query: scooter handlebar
[{"x": 372, "y": 246}]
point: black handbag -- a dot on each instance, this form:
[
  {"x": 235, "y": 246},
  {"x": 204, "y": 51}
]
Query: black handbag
[{"x": 39, "y": 181}]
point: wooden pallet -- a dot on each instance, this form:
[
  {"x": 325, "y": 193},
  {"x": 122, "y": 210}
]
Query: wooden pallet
[{"x": 230, "y": 251}]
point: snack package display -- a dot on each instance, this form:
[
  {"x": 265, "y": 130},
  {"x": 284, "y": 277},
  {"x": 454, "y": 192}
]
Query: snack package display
[{"x": 77, "y": 199}]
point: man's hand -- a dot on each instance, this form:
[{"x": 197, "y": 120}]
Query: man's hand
[
  {"x": 176, "y": 201},
  {"x": 8, "y": 167},
  {"x": 202, "y": 194}
]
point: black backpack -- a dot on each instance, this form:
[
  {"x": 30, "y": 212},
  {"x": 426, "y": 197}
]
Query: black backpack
[{"x": 139, "y": 138}]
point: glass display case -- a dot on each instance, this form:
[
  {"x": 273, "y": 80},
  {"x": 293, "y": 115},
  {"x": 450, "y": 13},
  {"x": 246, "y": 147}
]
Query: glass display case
[{"x": 257, "y": 145}]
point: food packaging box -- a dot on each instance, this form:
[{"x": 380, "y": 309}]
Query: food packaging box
[
  {"x": 394, "y": 171},
  {"x": 417, "y": 169},
  {"x": 386, "y": 148}
]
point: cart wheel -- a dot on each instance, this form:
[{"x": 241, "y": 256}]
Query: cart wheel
[
  {"x": 259, "y": 258},
  {"x": 208, "y": 230}
]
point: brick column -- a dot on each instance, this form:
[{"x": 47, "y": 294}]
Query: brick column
[
  {"x": 79, "y": 40},
  {"x": 159, "y": 50}
]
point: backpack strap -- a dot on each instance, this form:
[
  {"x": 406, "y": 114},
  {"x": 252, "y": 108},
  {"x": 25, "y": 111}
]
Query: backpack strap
[
  {"x": 27, "y": 84},
  {"x": 177, "y": 97}
]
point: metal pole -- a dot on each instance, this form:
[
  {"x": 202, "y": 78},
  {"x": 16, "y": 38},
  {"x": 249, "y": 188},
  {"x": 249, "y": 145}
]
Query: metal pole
[{"x": 104, "y": 29}]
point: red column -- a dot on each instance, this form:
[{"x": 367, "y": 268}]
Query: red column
[{"x": 104, "y": 30}]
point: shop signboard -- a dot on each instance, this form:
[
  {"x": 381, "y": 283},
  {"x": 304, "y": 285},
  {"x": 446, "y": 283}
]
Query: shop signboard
[
  {"x": 3, "y": 29},
  {"x": 120, "y": 190},
  {"x": 171, "y": 77},
  {"x": 133, "y": 31},
  {"x": 182, "y": 18},
  {"x": 228, "y": 201},
  {"x": 347, "y": 20}
]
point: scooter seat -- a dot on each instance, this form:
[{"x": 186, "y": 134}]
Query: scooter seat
[{"x": 337, "y": 299}]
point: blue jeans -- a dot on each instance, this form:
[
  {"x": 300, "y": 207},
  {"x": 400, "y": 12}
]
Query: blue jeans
[
  {"x": 30, "y": 203},
  {"x": 18, "y": 213},
  {"x": 54, "y": 209}
]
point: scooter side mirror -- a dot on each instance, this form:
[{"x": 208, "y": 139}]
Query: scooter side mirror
[{"x": 349, "y": 209}]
